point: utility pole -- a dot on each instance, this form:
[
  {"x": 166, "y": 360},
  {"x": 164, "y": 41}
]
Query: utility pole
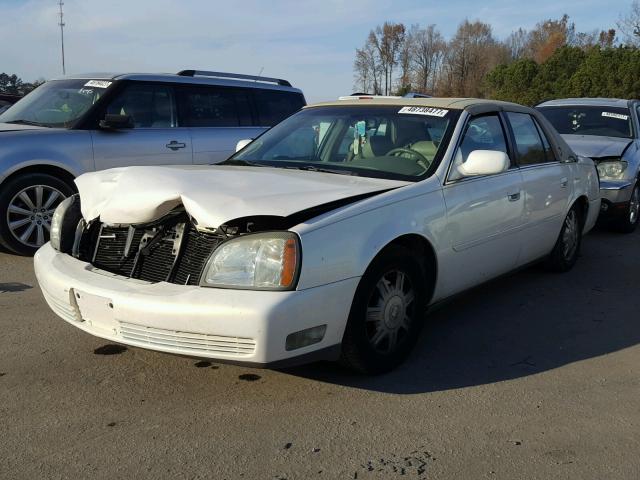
[{"x": 60, "y": 3}]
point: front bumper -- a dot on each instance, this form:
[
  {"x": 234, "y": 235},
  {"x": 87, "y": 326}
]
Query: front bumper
[
  {"x": 615, "y": 196},
  {"x": 237, "y": 326}
]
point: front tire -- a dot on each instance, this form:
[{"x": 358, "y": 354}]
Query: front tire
[
  {"x": 628, "y": 220},
  {"x": 386, "y": 314},
  {"x": 567, "y": 248},
  {"x": 27, "y": 203}
]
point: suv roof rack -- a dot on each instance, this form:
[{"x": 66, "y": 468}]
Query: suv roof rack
[
  {"x": 369, "y": 96},
  {"x": 238, "y": 76}
]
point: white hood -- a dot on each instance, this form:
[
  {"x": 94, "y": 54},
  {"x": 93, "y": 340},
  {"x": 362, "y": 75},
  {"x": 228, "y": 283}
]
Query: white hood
[{"x": 213, "y": 195}]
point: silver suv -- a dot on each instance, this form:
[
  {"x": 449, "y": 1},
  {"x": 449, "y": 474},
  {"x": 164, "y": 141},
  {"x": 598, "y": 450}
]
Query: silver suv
[{"x": 70, "y": 126}]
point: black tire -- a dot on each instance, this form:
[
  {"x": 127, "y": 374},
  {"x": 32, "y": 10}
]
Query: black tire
[
  {"x": 358, "y": 350},
  {"x": 566, "y": 251},
  {"x": 8, "y": 193},
  {"x": 628, "y": 220}
]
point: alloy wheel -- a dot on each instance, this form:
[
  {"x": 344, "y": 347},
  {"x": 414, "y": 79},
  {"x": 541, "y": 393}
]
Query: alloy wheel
[
  {"x": 390, "y": 311},
  {"x": 570, "y": 235},
  {"x": 634, "y": 206},
  {"x": 30, "y": 212}
]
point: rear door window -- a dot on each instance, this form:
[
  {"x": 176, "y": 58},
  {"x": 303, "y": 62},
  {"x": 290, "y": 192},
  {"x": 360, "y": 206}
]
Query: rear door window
[
  {"x": 273, "y": 106},
  {"x": 214, "y": 107},
  {"x": 528, "y": 142}
]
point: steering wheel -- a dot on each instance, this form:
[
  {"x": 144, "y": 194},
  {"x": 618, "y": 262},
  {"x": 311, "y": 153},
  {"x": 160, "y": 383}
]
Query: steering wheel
[{"x": 417, "y": 156}]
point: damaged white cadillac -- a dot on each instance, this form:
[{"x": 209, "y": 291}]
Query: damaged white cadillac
[{"x": 328, "y": 237}]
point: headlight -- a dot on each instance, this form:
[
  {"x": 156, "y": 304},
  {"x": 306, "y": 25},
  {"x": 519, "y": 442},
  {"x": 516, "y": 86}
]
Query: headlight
[
  {"x": 261, "y": 261},
  {"x": 64, "y": 222},
  {"x": 611, "y": 170}
]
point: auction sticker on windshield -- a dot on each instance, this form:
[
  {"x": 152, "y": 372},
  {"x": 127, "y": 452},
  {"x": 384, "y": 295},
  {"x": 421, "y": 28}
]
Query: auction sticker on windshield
[
  {"x": 98, "y": 83},
  {"x": 430, "y": 111},
  {"x": 619, "y": 116}
]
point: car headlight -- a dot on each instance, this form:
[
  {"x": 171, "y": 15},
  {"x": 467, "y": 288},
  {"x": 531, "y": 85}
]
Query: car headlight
[
  {"x": 611, "y": 169},
  {"x": 64, "y": 222},
  {"x": 260, "y": 261}
]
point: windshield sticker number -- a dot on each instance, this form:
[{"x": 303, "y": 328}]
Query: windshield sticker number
[
  {"x": 619, "y": 116},
  {"x": 98, "y": 83},
  {"x": 430, "y": 111}
]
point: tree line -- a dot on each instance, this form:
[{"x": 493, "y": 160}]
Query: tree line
[
  {"x": 551, "y": 60},
  {"x": 13, "y": 85}
]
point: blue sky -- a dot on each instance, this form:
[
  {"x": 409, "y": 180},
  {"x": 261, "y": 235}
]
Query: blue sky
[{"x": 311, "y": 43}]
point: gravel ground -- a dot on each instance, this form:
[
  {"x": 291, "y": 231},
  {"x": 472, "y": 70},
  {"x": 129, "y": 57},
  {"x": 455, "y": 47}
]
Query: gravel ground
[{"x": 533, "y": 376}]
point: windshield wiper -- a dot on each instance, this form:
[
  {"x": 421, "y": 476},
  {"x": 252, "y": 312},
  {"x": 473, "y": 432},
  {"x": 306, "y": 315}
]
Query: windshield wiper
[
  {"x": 243, "y": 163},
  {"x": 27, "y": 122},
  {"x": 313, "y": 168}
]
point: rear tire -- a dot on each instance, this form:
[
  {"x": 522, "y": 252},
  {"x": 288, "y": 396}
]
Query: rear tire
[
  {"x": 628, "y": 220},
  {"x": 27, "y": 203},
  {"x": 386, "y": 314},
  {"x": 567, "y": 248}
]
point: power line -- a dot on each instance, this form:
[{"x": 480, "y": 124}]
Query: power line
[{"x": 61, "y": 23}]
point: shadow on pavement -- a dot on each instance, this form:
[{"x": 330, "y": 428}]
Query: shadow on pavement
[
  {"x": 14, "y": 287},
  {"x": 526, "y": 323}
]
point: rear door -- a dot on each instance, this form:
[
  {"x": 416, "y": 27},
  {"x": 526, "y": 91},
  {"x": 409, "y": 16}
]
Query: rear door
[
  {"x": 156, "y": 137},
  {"x": 484, "y": 214},
  {"x": 547, "y": 185},
  {"x": 217, "y": 118}
]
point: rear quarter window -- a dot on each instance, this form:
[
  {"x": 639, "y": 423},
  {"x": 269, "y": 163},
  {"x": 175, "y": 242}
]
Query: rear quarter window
[{"x": 273, "y": 106}]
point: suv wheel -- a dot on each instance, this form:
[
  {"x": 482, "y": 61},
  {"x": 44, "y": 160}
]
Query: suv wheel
[
  {"x": 629, "y": 219},
  {"x": 27, "y": 204},
  {"x": 386, "y": 314}
]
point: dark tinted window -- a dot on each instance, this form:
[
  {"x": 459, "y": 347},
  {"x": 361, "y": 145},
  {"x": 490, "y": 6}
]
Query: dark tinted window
[
  {"x": 275, "y": 105},
  {"x": 149, "y": 106},
  {"x": 551, "y": 156},
  {"x": 214, "y": 107},
  {"x": 528, "y": 141},
  {"x": 599, "y": 121}
]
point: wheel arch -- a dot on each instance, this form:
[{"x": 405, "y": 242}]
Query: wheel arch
[
  {"x": 582, "y": 202},
  {"x": 54, "y": 170}
]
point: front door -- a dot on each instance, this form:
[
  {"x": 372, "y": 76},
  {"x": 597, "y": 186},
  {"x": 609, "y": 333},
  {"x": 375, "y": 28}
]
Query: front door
[
  {"x": 484, "y": 214},
  {"x": 155, "y": 138}
]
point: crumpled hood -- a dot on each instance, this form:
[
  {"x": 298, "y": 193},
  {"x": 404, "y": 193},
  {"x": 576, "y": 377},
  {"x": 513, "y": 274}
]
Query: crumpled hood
[
  {"x": 597, "y": 147},
  {"x": 215, "y": 194},
  {"x": 14, "y": 127}
]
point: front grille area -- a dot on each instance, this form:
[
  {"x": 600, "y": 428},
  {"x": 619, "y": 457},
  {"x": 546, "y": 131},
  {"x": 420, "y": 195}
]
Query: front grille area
[
  {"x": 196, "y": 343},
  {"x": 172, "y": 251}
]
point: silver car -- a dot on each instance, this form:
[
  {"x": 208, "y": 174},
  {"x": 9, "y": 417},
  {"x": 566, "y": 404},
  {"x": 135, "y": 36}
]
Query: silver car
[
  {"x": 608, "y": 131},
  {"x": 70, "y": 126}
]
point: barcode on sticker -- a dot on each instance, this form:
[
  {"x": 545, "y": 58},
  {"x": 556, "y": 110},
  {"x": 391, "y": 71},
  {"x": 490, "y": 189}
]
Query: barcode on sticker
[
  {"x": 619, "y": 116},
  {"x": 98, "y": 83},
  {"x": 430, "y": 111}
]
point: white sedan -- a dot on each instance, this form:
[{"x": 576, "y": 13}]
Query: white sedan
[{"x": 328, "y": 237}]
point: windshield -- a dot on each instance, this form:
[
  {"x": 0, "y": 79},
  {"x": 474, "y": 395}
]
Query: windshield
[
  {"x": 598, "y": 121},
  {"x": 58, "y": 103},
  {"x": 392, "y": 142}
]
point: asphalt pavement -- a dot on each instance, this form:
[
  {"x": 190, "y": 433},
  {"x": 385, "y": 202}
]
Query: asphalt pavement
[{"x": 532, "y": 376}]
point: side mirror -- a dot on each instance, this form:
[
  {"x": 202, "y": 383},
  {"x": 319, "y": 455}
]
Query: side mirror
[
  {"x": 116, "y": 122},
  {"x": 484, "y": 162},
  {"x": 243, "y": 143}
]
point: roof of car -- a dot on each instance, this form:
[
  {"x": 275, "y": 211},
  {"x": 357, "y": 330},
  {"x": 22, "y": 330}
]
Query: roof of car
[
  {"x": 447, "y": 103},
  {"x": 254, "y": 82},
  {"x": 593, "y": 102}
]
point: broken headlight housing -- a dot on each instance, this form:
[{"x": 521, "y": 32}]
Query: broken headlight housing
[
  {"x": 64, "y": 222},
  {"x": 259, "y": 261},
  {"x": 611, "y": 169}
]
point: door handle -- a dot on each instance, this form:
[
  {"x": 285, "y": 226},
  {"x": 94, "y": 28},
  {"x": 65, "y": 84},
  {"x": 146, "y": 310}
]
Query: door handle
[
  {"x": 564, "y": 182},
  {"x": 174, "y": 145},
  {"x": 514, "y": 197}
]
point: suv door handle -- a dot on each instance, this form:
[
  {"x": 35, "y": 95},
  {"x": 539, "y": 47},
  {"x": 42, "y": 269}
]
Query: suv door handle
[
  {"x": 564, "y": 182},
  {"x": 514, "y": 197},
  {"x": 174, "y": 145}
]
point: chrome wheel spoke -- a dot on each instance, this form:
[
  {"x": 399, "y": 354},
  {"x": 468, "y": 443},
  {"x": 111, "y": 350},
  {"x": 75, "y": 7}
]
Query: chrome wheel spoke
[
  {"x": 374, "y": 314},
  {"x": 380, "y": 335},
  {"x": 24, "y": 196},
  {"x": 39, "y": 193},
  {"x": 40, "y": 237},
  {"x": 19, "y": 223},
  {"x": 20, "y": 211},
  {"x": 52, "y": 198},
  {"x": 27, "y": 233},
  {"x": 393, "y": 340}
]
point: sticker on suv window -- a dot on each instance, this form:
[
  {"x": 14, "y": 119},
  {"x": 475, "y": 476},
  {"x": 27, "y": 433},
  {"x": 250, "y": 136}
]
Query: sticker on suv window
[
  {"x": 98, "y": 83},
  {"x": 430, "y": 111},
  {"x": 619, "y": 116}
]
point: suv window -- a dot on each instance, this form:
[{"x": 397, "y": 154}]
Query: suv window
[
  {"x": 527, "y": 138},
  {"x": 214, "y": 107},
  {"x": 481, "y": 133},
  {"x": 275, "y": 105},
  {"x": 149, "y": 106}
]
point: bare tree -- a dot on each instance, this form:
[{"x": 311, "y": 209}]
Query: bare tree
[
  {"x": 517, "y": 43},
  {"x": 629, "y": 24},
  {"x": 388, "y": 41},
  {"x": 428, "y": 48}
]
